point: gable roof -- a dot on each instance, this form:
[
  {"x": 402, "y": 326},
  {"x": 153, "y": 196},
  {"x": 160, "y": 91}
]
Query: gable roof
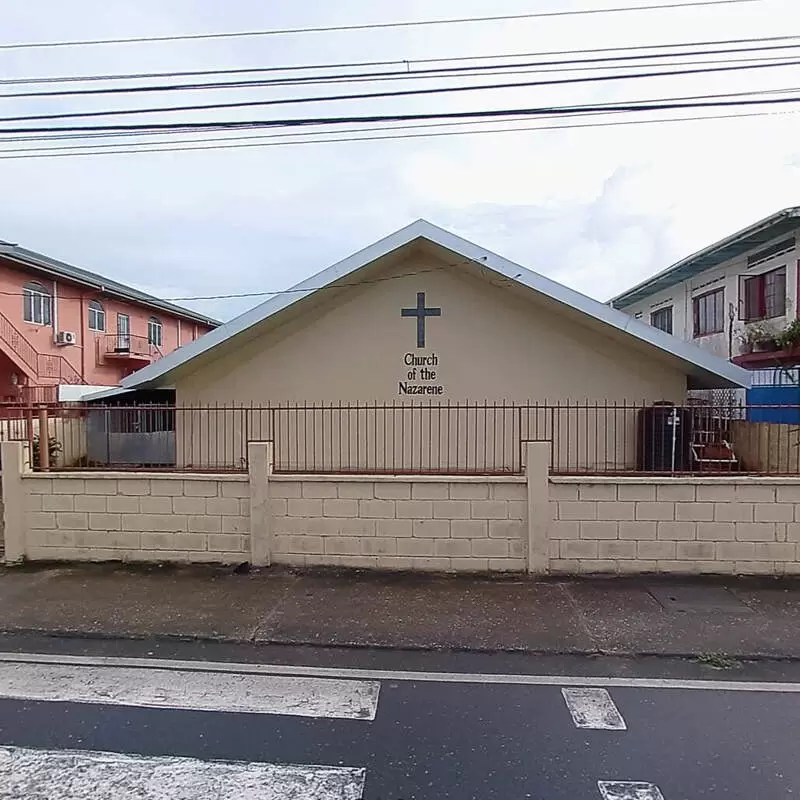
[
  {"x": 706, "y": 369},
  {"x": 759, "y": 233},
  {"x": 36, "y": 262}
]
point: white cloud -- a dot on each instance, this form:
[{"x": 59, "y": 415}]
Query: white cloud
[{"x": 598, "y": 208}]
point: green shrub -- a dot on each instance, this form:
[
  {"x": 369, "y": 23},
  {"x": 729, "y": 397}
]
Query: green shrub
[
  {"x": 790, "y": 335},
  {"x": 53, "y": 447}
]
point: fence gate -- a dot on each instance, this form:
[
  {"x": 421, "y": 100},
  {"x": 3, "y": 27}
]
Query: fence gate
[{"x": 128, "y": 437}]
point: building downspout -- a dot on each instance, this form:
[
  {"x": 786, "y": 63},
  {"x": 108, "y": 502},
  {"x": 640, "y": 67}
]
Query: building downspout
[
  {"x": 82, "y": 299},
  {"x": 797, "y": 290},
  {"x": 55, "y": 311},
  {"x": 731, "y": 317},
  {"x": 688, "y": 318}
]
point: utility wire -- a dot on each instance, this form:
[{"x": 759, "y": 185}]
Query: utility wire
[
  {"x": 260, "y": 137},
  {"x": 233, "y": 138},
  {"x": 397, "y": 62},
  {"x": 370, "y": 26},
  {"x": 22, "y": 153},
  {"x": 335, "y": 285},
  {"x": 400, "y": 93},
  {"x": 633, "y": 106},
  {"x": 438, "y": 72},
  {"x": 170, "y": 133}
]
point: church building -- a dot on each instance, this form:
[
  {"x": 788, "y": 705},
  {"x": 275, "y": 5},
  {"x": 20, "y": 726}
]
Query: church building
[
  {"x": 426, "y": 315},
  {"x": 426, "y": 318}
]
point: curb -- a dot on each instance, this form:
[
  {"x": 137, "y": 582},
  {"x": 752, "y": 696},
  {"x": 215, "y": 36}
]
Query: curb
[{"x": 384, "y": 646}]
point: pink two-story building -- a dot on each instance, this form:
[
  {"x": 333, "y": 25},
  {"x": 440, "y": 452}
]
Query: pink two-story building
[{"x": 63, "y": 325}]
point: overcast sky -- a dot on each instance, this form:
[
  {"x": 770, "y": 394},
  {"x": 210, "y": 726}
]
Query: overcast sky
[{"x": 597, "y": 208}]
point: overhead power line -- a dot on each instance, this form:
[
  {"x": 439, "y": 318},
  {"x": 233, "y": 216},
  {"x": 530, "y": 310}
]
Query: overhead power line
[
  {"x": 334, "y": 285},
  {"x": 170, "y": 141},
  {"x": 400, "y": 93},
  {"x": 370, "y": 26},
  {"x": 396, "y": 62},
  {"x": 598, "y": 108},
  {"x": 608, "y": 62},
  {"x": 284, "y": 135},
  {"x": 321, "y": 139}
]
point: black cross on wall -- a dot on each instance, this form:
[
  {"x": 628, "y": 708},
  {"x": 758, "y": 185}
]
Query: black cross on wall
[{"x": 420, "y": 312}]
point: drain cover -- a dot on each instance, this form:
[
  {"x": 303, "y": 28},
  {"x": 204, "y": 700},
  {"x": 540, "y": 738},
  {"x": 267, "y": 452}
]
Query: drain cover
[{"x": 698, "y": 599}]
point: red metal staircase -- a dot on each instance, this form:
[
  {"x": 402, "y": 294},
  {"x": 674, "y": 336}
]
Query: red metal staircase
[{"x": 36, "y": 365}]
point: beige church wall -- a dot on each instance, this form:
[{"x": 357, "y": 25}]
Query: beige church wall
[
  {"x": 405, "y": 439},
  {"x": 491, "y": 343}
]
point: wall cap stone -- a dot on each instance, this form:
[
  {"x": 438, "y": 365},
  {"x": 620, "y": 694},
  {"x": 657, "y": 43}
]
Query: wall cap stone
[
  {"x": 716, "y": 480},
  {"x": 140, "y": 476},
  {"x": 345, "y": 478},
  {"x": 317, "y": 477}
]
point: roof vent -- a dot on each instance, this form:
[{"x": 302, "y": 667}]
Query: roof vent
[{"x": 777, "y": 249}]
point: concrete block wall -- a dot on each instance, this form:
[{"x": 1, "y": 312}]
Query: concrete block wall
[
  {"x": 457, "y": 524},
  {"x": 722, "y": 526},
  {"x": 539, "y": 524},
  {"x": 136, "y": 517}
]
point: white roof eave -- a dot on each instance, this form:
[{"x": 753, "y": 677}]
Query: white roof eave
[{"x": 700, "y": 362}]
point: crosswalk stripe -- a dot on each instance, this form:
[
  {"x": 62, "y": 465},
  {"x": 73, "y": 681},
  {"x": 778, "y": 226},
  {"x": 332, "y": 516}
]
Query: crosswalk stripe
[
  {"x": 629, "y": 790},
  {"x": 593, "y": 708},
  {"x": 195, "y": 690},
  {"x": 27, "y": 774}
]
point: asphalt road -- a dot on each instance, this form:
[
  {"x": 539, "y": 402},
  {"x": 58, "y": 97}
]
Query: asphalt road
[{"x": 459, "y": 728}]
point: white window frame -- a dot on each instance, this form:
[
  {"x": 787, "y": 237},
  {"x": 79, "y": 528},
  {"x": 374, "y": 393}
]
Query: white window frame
[
  {"x": 123, "y": 332},
  {"x": 155, "y": 332},
  {"x": 97, "y": 316},
  {"x": 37, "y": 304}
]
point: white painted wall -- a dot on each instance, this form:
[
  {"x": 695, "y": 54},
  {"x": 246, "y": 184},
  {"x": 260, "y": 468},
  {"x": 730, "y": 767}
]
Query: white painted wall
[{"x": 727, "y": 275}]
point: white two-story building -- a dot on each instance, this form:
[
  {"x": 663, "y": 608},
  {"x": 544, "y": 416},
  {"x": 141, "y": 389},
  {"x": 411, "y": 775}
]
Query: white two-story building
[{"x": 731, "y": 297}]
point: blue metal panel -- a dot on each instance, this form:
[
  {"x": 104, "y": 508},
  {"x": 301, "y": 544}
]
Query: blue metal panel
[{"x": 774, "y": 404}]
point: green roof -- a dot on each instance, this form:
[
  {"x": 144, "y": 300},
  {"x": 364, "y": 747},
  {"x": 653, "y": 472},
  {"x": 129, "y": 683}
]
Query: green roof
[{"x": 779, "y": 224}]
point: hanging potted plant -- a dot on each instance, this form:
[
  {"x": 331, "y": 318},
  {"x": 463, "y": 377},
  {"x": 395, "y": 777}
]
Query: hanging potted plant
[
  {"x": 746, "y": 341},
  {"x": 759, "y": 337},
  {"x": 789, "y": 337}
]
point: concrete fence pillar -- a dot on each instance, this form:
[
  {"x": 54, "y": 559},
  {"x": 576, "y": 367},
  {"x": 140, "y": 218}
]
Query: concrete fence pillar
[
  {"x": 14, "y": 521},
  {"x": 260, "y": 461},
  {"x": 537, "y": 470}
]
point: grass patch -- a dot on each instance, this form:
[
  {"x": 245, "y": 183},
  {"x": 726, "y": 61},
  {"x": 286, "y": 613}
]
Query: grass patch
[{"x": 717, "y": 661}]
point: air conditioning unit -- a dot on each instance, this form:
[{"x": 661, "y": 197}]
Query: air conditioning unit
[{"x": 66, "y": 337}]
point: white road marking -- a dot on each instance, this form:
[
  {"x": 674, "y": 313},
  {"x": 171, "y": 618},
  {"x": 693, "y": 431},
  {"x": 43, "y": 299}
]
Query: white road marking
[
  {"x": 400, "y": 675},
  {"x": 593, "y": 708},
  {"x": 151, "y": 687},
  {"x": 629, "y": 790},
  {"x": 73, "y": 775}
]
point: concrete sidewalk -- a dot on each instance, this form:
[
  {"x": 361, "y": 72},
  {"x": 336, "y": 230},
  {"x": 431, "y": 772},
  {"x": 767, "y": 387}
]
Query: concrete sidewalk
[{"x": 738, "y": 618}]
